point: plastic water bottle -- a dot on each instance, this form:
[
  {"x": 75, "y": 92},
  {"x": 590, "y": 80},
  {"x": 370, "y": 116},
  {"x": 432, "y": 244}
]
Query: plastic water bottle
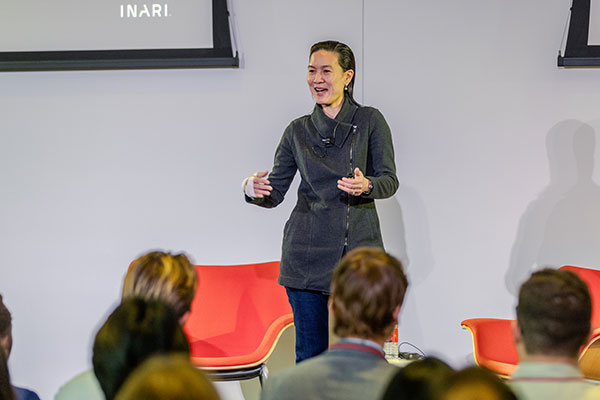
[{"x": 390, "y": 347}]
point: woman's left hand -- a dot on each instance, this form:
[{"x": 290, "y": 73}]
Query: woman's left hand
[{"x": 354, "y": 186}]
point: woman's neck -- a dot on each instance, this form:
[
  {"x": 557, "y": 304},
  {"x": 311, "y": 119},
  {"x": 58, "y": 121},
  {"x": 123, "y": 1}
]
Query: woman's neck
[{"x": 333, "y": 110}]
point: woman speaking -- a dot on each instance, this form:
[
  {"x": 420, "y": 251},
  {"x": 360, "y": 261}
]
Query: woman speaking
[{"x": 345, "y": 156}]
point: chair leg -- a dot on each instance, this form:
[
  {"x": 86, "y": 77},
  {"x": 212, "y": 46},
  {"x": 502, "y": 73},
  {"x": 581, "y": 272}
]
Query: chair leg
[{"x": 264, "y": 374}]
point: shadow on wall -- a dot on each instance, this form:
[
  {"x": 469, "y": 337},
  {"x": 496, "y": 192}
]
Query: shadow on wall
[
  {"x": 561, "y": 226},
  {"x": 393, "y": 228}
]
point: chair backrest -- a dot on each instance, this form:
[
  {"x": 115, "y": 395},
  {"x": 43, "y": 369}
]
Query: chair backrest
[
  {"x": 592, "y": 278},
  {"x": 237, "y": 315},
  {"x": 493, "y": 344}
]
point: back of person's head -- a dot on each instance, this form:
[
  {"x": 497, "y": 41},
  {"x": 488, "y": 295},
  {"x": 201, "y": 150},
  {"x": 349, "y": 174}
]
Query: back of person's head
[
  {"x": 5, "y": 328},
  {"x": 476, "y": 383},
  {"x": 419, "y": 380},
  {"x": 164, "y": 276},
  {"x": 554, "y": 313},
  {"x": 167, "y": 377},
  {"x": 6, "y": 389},
  {"x": 134, "y": 331},
  {"x": 367, "y": 290}
]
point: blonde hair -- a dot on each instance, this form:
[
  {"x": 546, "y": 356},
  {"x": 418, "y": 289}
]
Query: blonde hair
[
  {"x": 168, "y": 377},
  {"x": 162, "y": 276}
]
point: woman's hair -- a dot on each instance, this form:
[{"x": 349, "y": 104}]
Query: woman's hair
[
  {"x": 345, "y": 59},
  {"x": 136, "y": 330},
  {"x": 5, "y": 328},
  {"x": 164, "y": 276},
  {"x": 419, "y": 380},
  {"x": 367, "y": 286},
  {"x": 6, "y": 389},
  {"x": 475, "y": 383},
  {"x": 167, "y": 377}
]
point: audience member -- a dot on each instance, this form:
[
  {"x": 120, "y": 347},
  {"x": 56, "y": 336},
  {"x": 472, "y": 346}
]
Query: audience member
[
  {"x": 553, "y": 322},
  {"x": 476, "y": 383},
  {"x": 136, "y": 330},
  {"x": 6, "y": 341},
  {"x": 6, "y": 389},
  {"x": 168, "y": 277},
  {"x": 167, "y": 377},
  {"x": 419, "y": 380},
  {"x": 155, "y": 275},
  {"x": 367, "y": 291}
]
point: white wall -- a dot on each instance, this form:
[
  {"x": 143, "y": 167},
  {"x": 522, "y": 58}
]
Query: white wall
[
  {"x": 97, "y": 167},
  {"x": 481, "y": 116}
]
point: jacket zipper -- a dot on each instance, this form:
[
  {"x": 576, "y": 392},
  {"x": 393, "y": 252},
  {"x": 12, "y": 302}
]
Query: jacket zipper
[{"x": 351, "y": 174}]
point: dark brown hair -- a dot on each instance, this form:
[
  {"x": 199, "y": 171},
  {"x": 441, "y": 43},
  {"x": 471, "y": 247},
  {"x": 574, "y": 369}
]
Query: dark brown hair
[
  {"x": 6, "y": 389},
  {"x": 419, "y": 380},
  {"x": 367, "y": 286},
  {"x": 554, "y": 313},
  {"x": 136, "y": 330},
  {"x": 5, "y": 326}
]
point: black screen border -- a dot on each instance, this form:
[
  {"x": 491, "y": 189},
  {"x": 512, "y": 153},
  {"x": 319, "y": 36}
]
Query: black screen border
[
  {"x": 220, "y": 56},
  {"x": 577, "y": 52}
]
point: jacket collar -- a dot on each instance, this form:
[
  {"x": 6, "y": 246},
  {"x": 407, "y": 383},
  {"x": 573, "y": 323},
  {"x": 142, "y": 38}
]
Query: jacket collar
[{"x": 336, "y": 129}]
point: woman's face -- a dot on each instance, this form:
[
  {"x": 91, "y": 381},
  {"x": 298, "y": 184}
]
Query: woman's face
[{"x": 326, "y": 79}]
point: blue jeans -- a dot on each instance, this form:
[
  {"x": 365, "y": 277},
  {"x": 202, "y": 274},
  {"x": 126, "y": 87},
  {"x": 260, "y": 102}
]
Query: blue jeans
[{"x": 311, "y": 320}]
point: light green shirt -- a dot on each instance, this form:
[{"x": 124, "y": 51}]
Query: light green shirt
[
  {"x": 549, "y": 381},
  {"x": 83, "y": 386},
  {"x": 593, "y": 394}
]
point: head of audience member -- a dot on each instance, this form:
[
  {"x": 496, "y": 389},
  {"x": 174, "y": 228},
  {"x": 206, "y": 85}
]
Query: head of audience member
[
  {"x": 5, "y": 329},
  {"x": 367, "y": 291},
  {"x": 476, "y": 383},
  {"x": 136, "y": 330},
  {"x": 6, "y": 389},
  {"x": 553, "y": 316},
  {"x": 167, "y": 377},
  {"x": 419, "y": 380},
  {"x": 163, "y": 276}
]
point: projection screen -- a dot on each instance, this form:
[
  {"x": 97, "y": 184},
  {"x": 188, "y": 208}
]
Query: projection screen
[{"x": 109, "y": 34}]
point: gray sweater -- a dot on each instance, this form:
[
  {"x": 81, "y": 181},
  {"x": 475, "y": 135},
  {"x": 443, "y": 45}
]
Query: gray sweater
[
  {"x": 336, "y": 374},
  {"x": 326, "y": 219}
]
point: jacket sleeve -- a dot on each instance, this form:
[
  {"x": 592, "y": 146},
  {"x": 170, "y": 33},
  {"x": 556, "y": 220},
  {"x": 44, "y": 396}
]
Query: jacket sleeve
[
  {"x": 282, "y": 174},
  {"x": 382, "y": 173}
]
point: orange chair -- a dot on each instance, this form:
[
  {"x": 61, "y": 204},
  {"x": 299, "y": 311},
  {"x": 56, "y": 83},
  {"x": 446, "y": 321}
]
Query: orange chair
[
  {"x": 493, "y": 344},
  {"x": 493, "y": 341},
  {"x": 237, "y": 317},
  {"x": 589, "y": 358}
]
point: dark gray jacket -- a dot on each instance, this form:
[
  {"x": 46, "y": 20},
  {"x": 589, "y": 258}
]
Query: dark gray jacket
[{"x": 325, "y": 218}]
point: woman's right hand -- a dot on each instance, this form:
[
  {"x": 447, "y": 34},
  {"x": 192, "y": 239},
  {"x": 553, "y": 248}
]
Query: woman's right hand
[{"x": 256, "y": 186}]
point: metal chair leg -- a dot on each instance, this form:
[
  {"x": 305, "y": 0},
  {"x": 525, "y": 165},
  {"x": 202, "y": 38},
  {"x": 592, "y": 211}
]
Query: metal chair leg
[{"x": 264, "y": 374}]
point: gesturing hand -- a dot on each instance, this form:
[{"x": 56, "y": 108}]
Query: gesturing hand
[
  {"x": 354, "y": 186},
  {"x": 261, "y": 185}
]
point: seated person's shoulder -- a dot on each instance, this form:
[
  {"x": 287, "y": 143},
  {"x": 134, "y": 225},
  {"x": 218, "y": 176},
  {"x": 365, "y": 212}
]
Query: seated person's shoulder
[
  {"x": 593, "y": 393},
  {"x": 25, "y": 394},
  {"x": 83, "y": 386},
  {"x": 292, "y": 382}
]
